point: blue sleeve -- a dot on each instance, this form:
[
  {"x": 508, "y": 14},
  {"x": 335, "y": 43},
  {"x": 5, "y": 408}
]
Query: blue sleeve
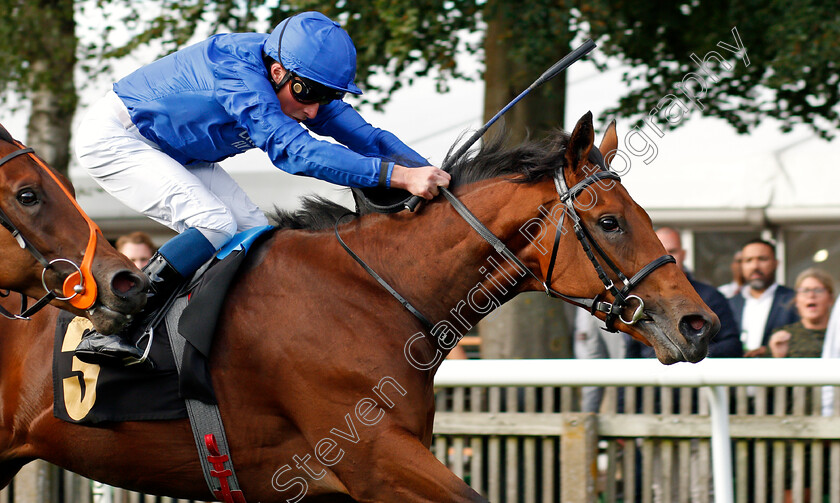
[
  {"x": 341, "y": 121},
  {"x": 247, "y": 95}
]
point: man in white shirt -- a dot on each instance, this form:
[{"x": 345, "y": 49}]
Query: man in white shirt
[
  {"x": 763, "y": 305},
  {"x": 831, "y": 349}
]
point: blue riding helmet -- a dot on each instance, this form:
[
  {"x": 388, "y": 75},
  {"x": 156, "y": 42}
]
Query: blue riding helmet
[{"x": 316, "y": 47}]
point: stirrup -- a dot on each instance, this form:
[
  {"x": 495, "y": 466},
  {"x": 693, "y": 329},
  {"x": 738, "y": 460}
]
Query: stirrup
[{"x": 117, "y": 356}]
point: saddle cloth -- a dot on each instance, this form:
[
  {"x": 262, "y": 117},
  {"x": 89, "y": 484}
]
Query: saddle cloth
[{"x": 90, "y": 394}]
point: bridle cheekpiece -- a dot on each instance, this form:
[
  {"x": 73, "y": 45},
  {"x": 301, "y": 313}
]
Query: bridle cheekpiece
[{"x": 79, "y": 287}]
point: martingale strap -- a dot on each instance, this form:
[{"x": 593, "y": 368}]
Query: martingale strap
[
  {"x": 26, "y": 313},
  {"x": 406, "y": 304}
]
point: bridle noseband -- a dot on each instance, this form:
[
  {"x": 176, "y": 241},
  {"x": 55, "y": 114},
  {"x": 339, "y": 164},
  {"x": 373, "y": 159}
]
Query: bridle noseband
[
  {"x": 79, "y": 287},
  {"x": 621, "y": 298}
]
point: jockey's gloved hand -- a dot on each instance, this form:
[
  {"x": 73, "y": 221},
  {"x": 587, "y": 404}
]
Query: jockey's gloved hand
[{"x": 422, "y": 181}]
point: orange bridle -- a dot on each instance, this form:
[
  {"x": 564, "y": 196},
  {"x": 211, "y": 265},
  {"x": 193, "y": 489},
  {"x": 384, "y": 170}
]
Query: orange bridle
[{"x": 79, "y": 288}]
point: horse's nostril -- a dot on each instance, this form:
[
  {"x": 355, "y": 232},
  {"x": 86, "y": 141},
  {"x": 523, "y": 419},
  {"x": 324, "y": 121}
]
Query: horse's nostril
[
  {"x": 697, "y": 323},
  {"x": 693, "y": 325},
  {"x": 126, "y": 283}
]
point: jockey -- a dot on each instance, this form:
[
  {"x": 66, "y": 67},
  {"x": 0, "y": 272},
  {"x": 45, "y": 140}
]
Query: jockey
[{"x": 155, "y": 140}]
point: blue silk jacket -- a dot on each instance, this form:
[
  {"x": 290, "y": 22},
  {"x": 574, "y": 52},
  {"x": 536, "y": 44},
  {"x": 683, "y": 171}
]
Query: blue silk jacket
[{"x": 214, "y": 100}]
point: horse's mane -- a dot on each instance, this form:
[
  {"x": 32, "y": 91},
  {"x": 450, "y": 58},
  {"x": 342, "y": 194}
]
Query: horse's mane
[
  {"x": 526, "y": 162},
  {"x": 315, "y": 213}
]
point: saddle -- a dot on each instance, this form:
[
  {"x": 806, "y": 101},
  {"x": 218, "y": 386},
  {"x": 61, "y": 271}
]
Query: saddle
[{"x": 90, "y": 394}]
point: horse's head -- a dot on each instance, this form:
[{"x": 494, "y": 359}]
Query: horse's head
[
  {"x": 619, "y": 259},
  {"x": 52, "y": 245}
]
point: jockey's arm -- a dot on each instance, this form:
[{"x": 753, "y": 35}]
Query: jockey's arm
[
  {"x": 411, "y": 171},
  {"x": 341, "y": 121}
]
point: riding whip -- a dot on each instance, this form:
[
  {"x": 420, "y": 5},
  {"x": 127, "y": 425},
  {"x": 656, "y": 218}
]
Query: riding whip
[{"x": 558, "y": 67}]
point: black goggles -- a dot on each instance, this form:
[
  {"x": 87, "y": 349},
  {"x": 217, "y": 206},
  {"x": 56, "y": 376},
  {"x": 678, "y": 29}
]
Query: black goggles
[{"x": 308, "y": 91}]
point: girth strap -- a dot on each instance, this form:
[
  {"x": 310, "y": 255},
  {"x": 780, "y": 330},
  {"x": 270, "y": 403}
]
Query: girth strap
[{"x": 205, "y": 419}]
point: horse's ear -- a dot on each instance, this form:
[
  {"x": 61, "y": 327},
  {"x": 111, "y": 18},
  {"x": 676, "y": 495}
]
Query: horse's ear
[
  {"x": 4, "y": 135},
  {"x": 580, "y": 142},
  {"x": 609, "y": 144}
]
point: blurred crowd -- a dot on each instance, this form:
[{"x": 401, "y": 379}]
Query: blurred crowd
[{"x": 760, "y": 318}]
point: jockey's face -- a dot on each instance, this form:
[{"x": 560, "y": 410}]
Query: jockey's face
[{"x": 290, "y": 106}]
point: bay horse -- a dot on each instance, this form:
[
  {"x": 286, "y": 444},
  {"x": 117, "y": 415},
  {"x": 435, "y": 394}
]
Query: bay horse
[
  {"x": 325, "y": 382},
  {"x": 54, "y": 251}
]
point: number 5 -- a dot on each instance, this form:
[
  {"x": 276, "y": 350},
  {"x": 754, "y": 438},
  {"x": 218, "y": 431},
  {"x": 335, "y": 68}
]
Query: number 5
[{"x": 77, "y": 402}]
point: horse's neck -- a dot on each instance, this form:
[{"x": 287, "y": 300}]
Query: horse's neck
[{"x": 441, "y": 264}]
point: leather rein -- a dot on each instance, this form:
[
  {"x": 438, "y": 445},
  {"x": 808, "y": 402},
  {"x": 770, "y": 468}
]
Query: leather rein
[
  {"x": 621, "y": 298},
  {"x": 79, "y": 288}
]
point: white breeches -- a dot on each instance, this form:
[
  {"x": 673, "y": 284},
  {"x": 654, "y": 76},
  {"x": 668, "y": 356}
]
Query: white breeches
[{"x": 136, "y": 172}]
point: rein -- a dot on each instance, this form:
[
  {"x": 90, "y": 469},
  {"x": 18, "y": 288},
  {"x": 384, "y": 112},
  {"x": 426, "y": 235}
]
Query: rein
[
  {"x": 79, "y": 287},
  {"x": 621, "y": 298}
]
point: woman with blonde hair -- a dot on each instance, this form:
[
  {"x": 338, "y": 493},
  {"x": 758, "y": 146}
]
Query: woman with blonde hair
[
  {"x": 804, "y": 339},
  {"x": 814, "y": 298}
]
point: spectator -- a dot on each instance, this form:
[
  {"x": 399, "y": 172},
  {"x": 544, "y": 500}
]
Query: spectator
[
  {"x": 804, "y": 339},
  {"x": 831, "y": 349},
  {"x": 732, "y": 288},
  {"x": 137, "y": 246},
  {"x": 592, "y": 340},
  {"x": 763, "y": 305},
  {"x": 726, "y": 344}
]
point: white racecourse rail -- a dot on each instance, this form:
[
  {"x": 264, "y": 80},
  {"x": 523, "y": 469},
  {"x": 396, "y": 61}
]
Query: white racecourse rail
[{"x": 711, "y": 372}]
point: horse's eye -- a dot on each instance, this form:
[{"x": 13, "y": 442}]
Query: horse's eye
[
  {"x": 27, "y": 197},
  {"x": 609, "y": 224}
]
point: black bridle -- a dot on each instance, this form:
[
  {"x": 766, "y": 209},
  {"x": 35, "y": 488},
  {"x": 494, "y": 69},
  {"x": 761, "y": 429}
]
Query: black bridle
[
  {"x": 5, "y": 221},
  {"x": 621, "y": 298}
]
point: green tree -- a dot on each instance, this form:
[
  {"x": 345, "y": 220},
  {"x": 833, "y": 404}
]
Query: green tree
[
  {"x": 793, "y": 49},
  {"x": 38, "y": 58}
]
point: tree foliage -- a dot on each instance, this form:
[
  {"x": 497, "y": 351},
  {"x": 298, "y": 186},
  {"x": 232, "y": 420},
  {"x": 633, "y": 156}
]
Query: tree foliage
[
  {"x": 401, "y": 39},
  {"x": 793, "y": 49},
  {"x": 33, "y": 31}
]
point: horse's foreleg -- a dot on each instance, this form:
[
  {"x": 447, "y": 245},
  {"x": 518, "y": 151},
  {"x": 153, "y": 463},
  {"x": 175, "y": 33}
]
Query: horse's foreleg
[{"x": 403, "y": 470}]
